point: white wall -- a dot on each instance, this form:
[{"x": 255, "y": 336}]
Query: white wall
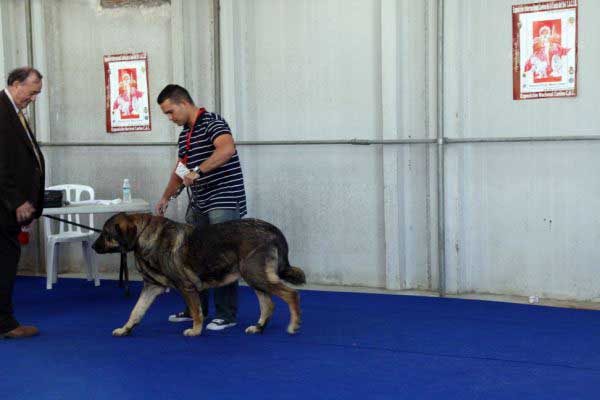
[
  {"x": 70, "y": 38},
  {"x": 78, "y": 35},
  {"x": 519, "y": 216},
  {"x": 14, "y": 36},
  {"x": 308, "y": 70}
]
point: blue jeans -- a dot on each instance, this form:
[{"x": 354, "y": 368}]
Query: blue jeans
[{"x": 226, "y": 303}]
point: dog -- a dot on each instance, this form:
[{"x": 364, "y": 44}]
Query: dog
[{"x": 191, "y": 259}]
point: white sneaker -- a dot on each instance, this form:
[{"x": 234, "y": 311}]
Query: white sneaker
[
  {"x": 180, "y": 317},
  {"x": 219, "y": 324}
]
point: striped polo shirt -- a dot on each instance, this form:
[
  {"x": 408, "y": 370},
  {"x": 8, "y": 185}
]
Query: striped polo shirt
[{"x": 221, "y": 188}]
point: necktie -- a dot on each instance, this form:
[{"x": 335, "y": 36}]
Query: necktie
[
  {"x": 23, "y": 120},
  {"x": 25, "y": 126}
]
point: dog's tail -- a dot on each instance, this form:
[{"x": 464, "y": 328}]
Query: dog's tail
[{"x": 293, "y": 275}]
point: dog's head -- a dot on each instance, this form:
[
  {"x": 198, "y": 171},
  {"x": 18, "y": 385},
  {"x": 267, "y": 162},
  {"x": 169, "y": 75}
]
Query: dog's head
[{"x": 118, "y": 234}]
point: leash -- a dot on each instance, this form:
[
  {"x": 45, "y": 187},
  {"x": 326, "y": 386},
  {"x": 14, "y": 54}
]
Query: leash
[
  {"x": 123, "y": 270},
  {"x": 72, "y": 223},
  {"x": 181, "y": 188},
  {"x": 90, "y": 228}
]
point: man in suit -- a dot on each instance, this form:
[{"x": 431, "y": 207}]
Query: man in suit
[{"x": 21, "y": 187}]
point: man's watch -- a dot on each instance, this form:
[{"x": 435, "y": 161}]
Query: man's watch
[{"x": 197, "y": 170}]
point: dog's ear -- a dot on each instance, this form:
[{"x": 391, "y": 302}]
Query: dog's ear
[{"x": 126, "y": 231}]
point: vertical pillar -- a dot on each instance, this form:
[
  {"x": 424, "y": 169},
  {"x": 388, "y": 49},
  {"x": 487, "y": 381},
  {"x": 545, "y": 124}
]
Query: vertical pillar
[{"x": 393, "y": 189}]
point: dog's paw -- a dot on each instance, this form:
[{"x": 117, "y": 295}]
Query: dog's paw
[
  {"x": 192, "y": 332},
  {"x": 252, "y": 329},
  {"x": 120, "y": 332},
  {"x": 293, "y": 329}
]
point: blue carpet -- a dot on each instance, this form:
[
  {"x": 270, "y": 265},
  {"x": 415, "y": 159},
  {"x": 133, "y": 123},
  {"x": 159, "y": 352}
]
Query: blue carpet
[{"x": 351, "y": 346}]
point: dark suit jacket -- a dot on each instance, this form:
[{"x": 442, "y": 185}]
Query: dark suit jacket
[{"x": 21, "y": 178}]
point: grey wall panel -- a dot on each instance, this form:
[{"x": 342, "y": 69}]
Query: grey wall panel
[
  {"x": 304, "y": 70},
  {"x": 478, "y": 60},
  {"x": 13, "y": 15},
  {"x": 525, "y": 220},
  {"x": 338, "y": 70},
  {"x": 330, "y": 210},
  {"x": 79, "y": 34},
  {"x": 519, "y": 217}
]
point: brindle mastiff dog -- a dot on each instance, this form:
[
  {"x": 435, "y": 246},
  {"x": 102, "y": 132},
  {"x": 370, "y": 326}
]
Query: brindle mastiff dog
[{"x": 189, "y": 259}]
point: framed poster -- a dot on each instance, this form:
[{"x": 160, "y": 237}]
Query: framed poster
[
  {"x": 545, "y": 50},
  {"x": 127, "y": 101}
]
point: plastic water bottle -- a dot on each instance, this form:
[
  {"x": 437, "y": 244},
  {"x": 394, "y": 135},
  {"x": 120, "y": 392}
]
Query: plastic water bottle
[{"x": 126, "y": 191}]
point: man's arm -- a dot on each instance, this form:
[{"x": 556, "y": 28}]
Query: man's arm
[
  {"x": 170, "y": 190},
  {"x": 11, "y": 197},
  {"x": 224, "y": 150}
]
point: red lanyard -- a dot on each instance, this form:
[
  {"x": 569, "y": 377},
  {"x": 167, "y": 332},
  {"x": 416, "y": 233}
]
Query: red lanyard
[{"x": 189, "y": 135}]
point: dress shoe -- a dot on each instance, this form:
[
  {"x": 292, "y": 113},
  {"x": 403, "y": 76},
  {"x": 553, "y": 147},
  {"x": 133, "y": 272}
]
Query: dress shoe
[{"x": 21, "y": 332}]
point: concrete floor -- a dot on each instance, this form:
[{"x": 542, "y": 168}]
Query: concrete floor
[{"x": 584, "y": 305}]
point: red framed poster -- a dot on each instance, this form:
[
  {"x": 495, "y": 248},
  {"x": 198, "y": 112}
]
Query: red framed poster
[
  {"x": 127, "y": 100},
  {"x": 545, "y": 50}
]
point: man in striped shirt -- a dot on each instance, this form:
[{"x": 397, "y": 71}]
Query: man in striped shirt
[{"x": 209, "y": 165}]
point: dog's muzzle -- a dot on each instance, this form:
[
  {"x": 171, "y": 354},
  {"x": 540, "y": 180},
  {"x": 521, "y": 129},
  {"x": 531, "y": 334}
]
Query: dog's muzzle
[{"x": 99, "y": 247}]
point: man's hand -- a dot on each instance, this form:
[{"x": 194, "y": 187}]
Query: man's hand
[
  {"x": 25, "y": 212},
  {"x": 161, "y": 206},
  {"x": 190, "y": 178}
]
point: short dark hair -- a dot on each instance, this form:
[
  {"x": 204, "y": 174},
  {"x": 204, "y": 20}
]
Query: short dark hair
[
  {"x": 175, "y": 93},
  {"x": 21, "y": 74}
]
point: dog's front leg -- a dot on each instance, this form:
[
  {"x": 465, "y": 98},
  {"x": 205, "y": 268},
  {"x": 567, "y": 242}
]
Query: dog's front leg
[
  {"x": 147, "y": 297},
  {"x": 192, "y": 299}
]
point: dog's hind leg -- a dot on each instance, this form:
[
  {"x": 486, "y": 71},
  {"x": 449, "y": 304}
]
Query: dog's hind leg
[
  {"x": 266, "y": 311},
  {"x": 147, "y": 297},
  {"x": 292, "y": 298},
  {"x": 259, "y": 270},
  {"x": 192, "y": 299}
]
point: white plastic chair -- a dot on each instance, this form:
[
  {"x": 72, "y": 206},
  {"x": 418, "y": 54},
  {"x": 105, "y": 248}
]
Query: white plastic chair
[{"x": 69, "y": 233}]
